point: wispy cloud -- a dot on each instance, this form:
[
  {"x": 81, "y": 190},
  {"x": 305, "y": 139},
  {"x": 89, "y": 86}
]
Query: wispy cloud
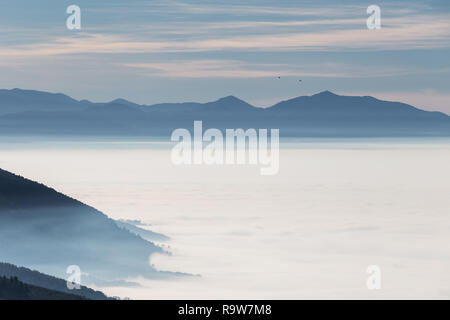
[
  {"x": 204, "y": 69},
  {"x": 424, "y": 32},
  {"x": 260, "y": 8},
  {"x": 241, "y": 69}
]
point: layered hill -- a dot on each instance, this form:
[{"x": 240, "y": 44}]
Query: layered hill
[{"x": 48, "y": 231}]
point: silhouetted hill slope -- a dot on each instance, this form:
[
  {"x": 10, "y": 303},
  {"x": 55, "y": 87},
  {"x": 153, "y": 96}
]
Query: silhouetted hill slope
[
  {"x": 13, "y": 289},
  {"x": 46, "y": 230},
  {"x": 42, "y": 280},
  {"x": 322, "y": 114}
]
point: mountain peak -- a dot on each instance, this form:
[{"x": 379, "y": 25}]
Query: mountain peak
[
  {"x": 325, "y": 93},
  {"x": 123, "y": 101},
  {"x": 231, "y": 102},
  {"x": 230, "y": 99}
]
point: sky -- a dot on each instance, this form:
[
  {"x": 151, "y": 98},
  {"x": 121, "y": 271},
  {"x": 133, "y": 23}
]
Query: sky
[{"x": 176, "y": 51}]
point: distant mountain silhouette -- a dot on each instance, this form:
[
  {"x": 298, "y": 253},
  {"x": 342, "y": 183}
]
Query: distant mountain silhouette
[
  {"x": 323, "y": 114},
  {"x": 46, "y": 230},
  {"x": 39, "y": 279},
  {"x": 14, "y": 289},
  {"x": 329, "y": 114},
  {"x": 18, "y": 100}
]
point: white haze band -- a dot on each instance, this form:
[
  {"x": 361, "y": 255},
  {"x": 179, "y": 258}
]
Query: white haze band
[{"x": 231, "y": 149}]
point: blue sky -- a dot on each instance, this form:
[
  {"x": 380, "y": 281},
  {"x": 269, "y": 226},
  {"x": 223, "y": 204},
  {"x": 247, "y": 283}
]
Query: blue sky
[{"x": 169, "y": 51}]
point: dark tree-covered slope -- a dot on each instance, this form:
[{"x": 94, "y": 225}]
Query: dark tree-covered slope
[
  {"x": 36, "y": 278},
  {"x": 14, "y": 289}
]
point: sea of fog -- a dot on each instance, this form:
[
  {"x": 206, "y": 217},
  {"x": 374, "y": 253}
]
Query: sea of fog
[{"x": 335, "y": 208}]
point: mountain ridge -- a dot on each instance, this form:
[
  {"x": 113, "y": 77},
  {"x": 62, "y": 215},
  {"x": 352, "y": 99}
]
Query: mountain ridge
[
  {"x": 226, "y": 99},
  {"x": 322, "y": 114}
]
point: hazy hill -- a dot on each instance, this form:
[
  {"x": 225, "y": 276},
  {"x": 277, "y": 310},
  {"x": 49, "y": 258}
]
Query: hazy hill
[
  {"x": 322, "y": 114},
  {"x": 42, "y": 280},
  {"x": 48, "y": 231}
]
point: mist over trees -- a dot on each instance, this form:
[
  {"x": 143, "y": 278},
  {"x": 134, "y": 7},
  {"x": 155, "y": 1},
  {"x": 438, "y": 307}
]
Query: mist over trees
[{"x": 48, "y": 231}]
